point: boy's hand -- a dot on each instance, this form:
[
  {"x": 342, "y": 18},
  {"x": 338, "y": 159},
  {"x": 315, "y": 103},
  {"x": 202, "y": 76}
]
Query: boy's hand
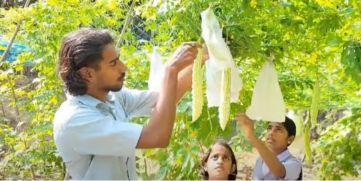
[{"x": 247, "y": 125}]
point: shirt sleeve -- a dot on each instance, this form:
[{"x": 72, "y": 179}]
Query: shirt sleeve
[
  {"x": 257, "y": 170},
  {"x": 137, "y": 103},
  {"x": 293, "y": 169},
  {"x": 102, "y": 135}
]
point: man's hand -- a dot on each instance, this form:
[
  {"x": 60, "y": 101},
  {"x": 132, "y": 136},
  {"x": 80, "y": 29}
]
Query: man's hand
[
  {"x": 157, "y": 133},
  {"x": 247, "y": 125},
  {"x": 185, "y": 76},
  {"x": 185, "y": 55}
]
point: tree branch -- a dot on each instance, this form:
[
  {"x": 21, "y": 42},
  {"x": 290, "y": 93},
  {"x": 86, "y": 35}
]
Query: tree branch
[
  {"x": 3, "y": 58},
  {"x": 126, "y": 23}
]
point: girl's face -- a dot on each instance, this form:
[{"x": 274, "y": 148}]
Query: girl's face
[{"x": 219, "y": 163}]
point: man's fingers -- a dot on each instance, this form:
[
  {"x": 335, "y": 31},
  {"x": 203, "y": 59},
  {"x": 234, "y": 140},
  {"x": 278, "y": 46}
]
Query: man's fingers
[
  {"x": 193, "y": 44},
  {"x": 191, "y": 51},
  {"x": 187, "y": 47}
]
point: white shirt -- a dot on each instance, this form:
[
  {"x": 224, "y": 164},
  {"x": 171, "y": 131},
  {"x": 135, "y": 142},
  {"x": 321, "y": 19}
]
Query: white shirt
[
  {"x": 96, "y": 139},
  {"x": 292, "y": 165}
]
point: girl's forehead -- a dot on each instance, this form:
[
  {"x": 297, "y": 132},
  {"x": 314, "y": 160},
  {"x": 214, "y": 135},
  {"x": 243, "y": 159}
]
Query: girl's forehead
[{"x": 219, "y": 148}]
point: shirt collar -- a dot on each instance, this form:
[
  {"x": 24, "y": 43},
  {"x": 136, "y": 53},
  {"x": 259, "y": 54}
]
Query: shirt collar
[
  {"x": 283, "y": 156},
  {"x": 111, "y": 97},
  {"x": 90, "y": 100}
]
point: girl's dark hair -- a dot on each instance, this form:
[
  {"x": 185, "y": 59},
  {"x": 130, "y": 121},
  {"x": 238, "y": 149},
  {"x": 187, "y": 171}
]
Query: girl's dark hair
[
  {"x": 80, "y": 49},
  {"x": 222, "y": 142}
]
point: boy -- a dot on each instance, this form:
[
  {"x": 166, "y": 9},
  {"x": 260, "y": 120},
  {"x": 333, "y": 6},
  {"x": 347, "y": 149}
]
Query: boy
[{"x": 275, "y": 161}]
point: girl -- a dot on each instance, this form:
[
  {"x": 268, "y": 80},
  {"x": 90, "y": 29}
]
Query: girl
[{"x": 220, "y": 162}]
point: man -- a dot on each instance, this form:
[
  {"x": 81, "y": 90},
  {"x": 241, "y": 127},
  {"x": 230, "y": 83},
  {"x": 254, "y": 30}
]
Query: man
[
  {"x": 91, "y": 129},
  {"x": 275, "y": 161}
]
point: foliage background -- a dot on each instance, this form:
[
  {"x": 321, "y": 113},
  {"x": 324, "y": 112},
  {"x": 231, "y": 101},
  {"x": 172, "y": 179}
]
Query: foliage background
[{"x": 314, "y": 42}]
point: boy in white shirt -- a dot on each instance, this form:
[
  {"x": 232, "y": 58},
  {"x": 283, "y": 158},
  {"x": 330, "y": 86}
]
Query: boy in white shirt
[{"x": 275, "y": 161}]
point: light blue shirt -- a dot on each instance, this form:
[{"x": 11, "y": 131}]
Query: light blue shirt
[
  {"x": 292, "y": 165},
  {"x": 96, "y": 139}
]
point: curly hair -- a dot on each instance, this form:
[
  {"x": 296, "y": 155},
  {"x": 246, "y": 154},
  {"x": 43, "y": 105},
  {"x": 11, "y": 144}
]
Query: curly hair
[
  {"x": 222, "y": 142},
  {"x": 80, "y": 49}
]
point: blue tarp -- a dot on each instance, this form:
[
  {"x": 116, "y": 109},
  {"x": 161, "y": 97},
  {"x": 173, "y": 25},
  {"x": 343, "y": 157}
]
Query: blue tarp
[{"x": 16, "y": 49}]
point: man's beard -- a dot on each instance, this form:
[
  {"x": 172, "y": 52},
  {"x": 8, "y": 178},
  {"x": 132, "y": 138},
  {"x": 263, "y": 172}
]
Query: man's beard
[{"x": 115, "y": 89}]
